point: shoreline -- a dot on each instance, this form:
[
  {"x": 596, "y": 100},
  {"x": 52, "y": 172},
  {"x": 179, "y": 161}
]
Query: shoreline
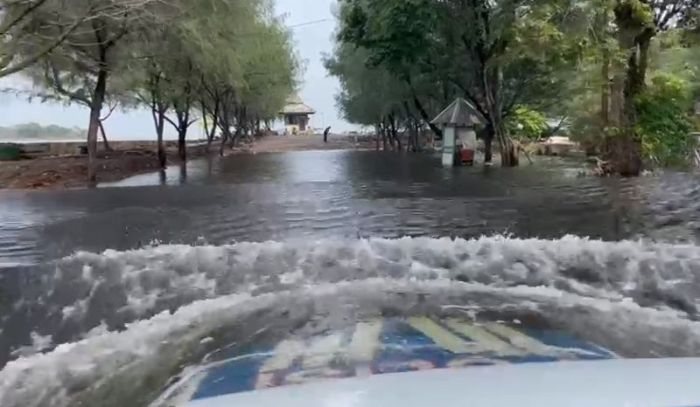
[
  {"x": 128, "y": 159},
  {"x": 70, "y": 171}
]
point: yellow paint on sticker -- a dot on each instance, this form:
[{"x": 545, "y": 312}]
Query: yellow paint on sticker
[
  {"x": 483, "y": 340},
  {"x": 365, "y": 341},
  {"x": 441, "y": 336},
  {"x": 284, "y": 354},
  {"x": 520, "y": 340},
  {"x": 322, "y": 350}
]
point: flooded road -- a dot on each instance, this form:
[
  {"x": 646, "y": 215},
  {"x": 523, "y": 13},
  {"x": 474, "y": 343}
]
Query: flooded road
[
  {"x": 343, "y": 195},
  {"x": 238, "y": 251}
]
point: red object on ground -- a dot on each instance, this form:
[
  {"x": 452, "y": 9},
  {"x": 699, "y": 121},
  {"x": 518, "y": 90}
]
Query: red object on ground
[{"x": 466, "y": 156}]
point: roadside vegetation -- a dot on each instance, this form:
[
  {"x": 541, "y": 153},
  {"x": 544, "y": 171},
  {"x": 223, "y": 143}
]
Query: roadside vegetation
[
  {"x": 227, "y": 63},
  {"x": 619, "y": 76}
]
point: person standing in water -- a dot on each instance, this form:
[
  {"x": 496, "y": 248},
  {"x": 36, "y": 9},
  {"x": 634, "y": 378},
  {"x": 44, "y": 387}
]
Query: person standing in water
[{"x": 326, "y": 133}]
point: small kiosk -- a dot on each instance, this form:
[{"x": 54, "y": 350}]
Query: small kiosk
[{"x": 459, "y": 121}]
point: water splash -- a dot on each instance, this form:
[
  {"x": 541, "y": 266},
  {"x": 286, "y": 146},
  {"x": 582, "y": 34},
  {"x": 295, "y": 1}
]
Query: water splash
[{"x": 138, "y": 318}]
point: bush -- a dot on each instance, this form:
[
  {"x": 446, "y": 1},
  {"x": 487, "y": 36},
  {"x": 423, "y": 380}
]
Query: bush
[
  {"x": 10, "y": 152},
  {"x": 663, "y": 121},
  {"x": 526, "y": 123}
]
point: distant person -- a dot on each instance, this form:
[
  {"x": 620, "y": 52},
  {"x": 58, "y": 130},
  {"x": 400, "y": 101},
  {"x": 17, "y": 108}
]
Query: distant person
[{"x": 326, "y": 133}]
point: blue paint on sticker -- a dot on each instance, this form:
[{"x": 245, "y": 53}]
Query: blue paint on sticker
[
  {"x": 402, "y": 348},
  {"x": 235, "y": 377},
  {"x": 565, "y": 341}
]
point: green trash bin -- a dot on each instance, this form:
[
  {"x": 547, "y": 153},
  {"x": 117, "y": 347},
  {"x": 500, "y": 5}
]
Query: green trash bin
[{"x": 10, "y": 152}]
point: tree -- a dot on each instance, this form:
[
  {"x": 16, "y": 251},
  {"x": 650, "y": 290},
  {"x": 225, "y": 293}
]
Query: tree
[
  {"x": 80, "y": 67},
  {"x": 663, "y": 126},
  {"x": 638, "y": 22},
  {"x": 529, "y": 124},
  {"x": 19, "y": 48},
  {"x": 500, "y": 53},
  {"x": 371, "y": 96},
  {"x": 249, "y": 82}
]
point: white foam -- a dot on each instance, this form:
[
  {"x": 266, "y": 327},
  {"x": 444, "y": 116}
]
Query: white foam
[
  {"x": 44, "y": 380},
  {"x": 625, "y": 288},
  {"x": 39, "y": 343},
  {"x": 586, "y": 266}
]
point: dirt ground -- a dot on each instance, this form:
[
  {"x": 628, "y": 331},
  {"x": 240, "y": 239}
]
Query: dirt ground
[
  {"x": 131, "y": 159},
  {"x": 71, "y": 171}
]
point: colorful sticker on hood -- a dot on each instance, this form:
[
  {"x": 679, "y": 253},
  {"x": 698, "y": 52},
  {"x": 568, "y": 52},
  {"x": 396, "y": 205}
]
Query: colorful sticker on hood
[{"x": 385, "y": 346}]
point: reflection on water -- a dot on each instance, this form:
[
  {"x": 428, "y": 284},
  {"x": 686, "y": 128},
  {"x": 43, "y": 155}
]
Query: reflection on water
[{"x": 102, "y": 264}]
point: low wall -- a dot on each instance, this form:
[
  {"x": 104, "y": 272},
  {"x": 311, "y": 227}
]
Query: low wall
[{"x": 64, "y": 148}]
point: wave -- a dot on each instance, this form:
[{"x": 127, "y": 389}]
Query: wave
[{"x": 137, "y": 318}]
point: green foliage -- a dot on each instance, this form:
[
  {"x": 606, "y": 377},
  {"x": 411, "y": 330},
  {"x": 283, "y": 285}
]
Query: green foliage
[
  {"x": 368, "y": 93},
  {"x": 634, "y": 14},
  {"x": 396, "y": 32},
  {"x": 663, "y": 123},
  {"x": 169, "y": 54},
  {"x": 678, "y": 54},
  {"x": 496, "y": 54},
  {"x": 526, "y": 123}
]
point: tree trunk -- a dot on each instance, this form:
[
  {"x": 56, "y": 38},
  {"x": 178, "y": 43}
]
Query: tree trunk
[
  {"x": 236, "y": 136},
  {"x": 377, "y": 130},
  {"x": 182, "y": 125},
  {"x": 104, "y": 137},
  {"x": 212, "y": 134},
  {"x": 225, "y": 126},
  {"x": 210, "y": 138},
  {"x": 624, "y": 150},
  {"x": 602, "y": 26},
  {"x": 182, "y": 144},
  {"x": 605, "y": 91},
  {"x": 162, "y": 155},
  {"x": 509, "y": 154},
  {"x": 158, "y": 113},
  {"x": 493, "y": 83},
  {"x": 95, "y": 114},
  {"x": 385, "y": 146},
  {"x": 183, "y": 172},
  {"x": 395, "y": 134},
  {"x": 488, "y": 149},
  {"x": 222, "y": 146},
  {"x": 426, "y": 118}
]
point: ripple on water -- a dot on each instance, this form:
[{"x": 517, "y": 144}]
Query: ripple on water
[{"x": 105, "y": 283}]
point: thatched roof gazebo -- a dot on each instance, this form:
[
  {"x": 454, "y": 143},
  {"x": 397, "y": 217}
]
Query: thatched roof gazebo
[{"x": 296, "y": 115}]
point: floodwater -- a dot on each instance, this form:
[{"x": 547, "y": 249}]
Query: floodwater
[{"x": 126, "y": 285}]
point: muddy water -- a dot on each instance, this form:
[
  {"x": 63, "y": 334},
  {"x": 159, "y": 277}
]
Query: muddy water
[{"x": 244, "y": 249}]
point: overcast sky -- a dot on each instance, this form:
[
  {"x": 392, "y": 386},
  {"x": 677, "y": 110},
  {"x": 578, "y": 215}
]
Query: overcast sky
[{"x": 317, "y": 89}]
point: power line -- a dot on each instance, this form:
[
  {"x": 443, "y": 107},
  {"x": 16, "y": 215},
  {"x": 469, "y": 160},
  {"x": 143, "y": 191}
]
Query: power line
[{"x": 310, "y": 23}]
